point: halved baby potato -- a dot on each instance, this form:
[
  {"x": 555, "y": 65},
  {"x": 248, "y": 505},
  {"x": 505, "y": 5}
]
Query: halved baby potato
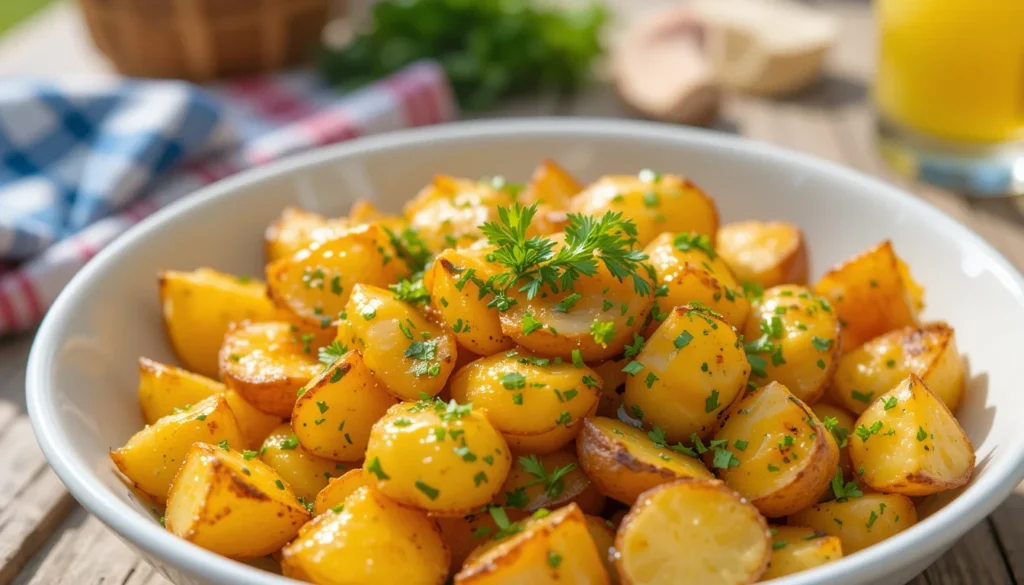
[
  {"x": 623, "y": 461},
  {"x": 859, "y": 522},
  {"x": 295, "y": 229},
  {"x": 255, "y": 424},
  {"x": 907, "y": 442},
  {"x": 232, "y": 506},
  {"x": 774, "y": 451},
  {"x": 267, "y": 363},
  {"x": 164, "y": 389},
  {"x": 199, "y": 307},
  {"x": 688, "y": 372},
  {"x": 697, "y": 528},
  {"x": 369, "y": 540},
  {"x": 603, "y": 533},
  {"x": 928, "y": 351},
  {"x": 796, "y": 549},
  {"x": 841, "y": 424},
  {"x": 339, "y": 488},
  {"x": 548, "y": 481},
  {"x": 449, "y": 211},
  {"x": 768, "y": 253},
  {"x": 465, "y": 534},
  {"x": 306, "y": 473},
  {"x": 551, "y": 185}
]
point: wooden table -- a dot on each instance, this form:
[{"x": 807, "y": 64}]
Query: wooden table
[{"x": 46, "y": 538}]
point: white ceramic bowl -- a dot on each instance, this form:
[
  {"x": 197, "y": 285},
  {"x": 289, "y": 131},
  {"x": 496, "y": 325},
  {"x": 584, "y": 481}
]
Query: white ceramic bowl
[{"x": 82, "y": 370}]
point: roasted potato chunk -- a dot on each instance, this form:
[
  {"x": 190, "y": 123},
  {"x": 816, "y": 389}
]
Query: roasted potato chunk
[
  {"x": 198, "y": 308},
  {"x": 928, "y": 351},
  {"x": 537, "y": 404},
  {"x": 444, "y": 458},
  {"x": 153, "y": 455},
  {"x": 333, "y": 415},
  {"x": 871, "y": 294},
  {"x": 550, "y": 185},
  {"x": 732, "y": 546},
  {"x": 408, "y": 354},
  {"x": 796, "y": 549},
  {"x": 690, "y": 271},
  {"x": 859, "y": 522},
  {"x": 164, "y": 389},
  {"x": 655, "y": 203},
  {"x": 296, "y": 229},
  {"x": 613, "y": 386},
  {"x": 339, "y": 488},
  {"x": 908, "y": 442},
  {"x": 689, "y": 371},
  {"x": 450, "y": 211},
  {"x": 466, "y": 534},
  {"x": 232, "y": 506},
  {"x": 306, "y": 473},
  {"x": 553, "y": 549},
  {"x": 549, "y": 481},
  {"x": 370, "y": 540},
  {"x": 794, "y": 339},
  {"x": 603, "y": 534},
  {"x": 768, "y": 253},
  {"x": 255, "y": 424},
  {"x": 267, "y": 363},
  {"x": 841, "y": 424},
  {"x": 774, "y": 451}
]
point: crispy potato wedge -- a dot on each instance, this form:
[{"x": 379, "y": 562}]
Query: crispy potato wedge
[
  {"x": 465, "y": 534},
  {"x": 267, "y": 364},
  {"x": 296, "y": 229},
  {"x": 928, "y": 351},
  {"x": 306, "y": 473},
  {"x": 198, "y": 308},
  {"x": 550, "y": 185},
  {"x": 768, "y": 253},
  {"x": 449, "y": 211},
  {"x": 689, "y": 371},
  {"x": 153, "y": 455},
  {"x": 908, "y": 442},
  {"x": 553, "y": 549},
  {"x": 655, "y": 203},
  {"x": 796, "y": 549},
  {"x": 623, "y": 462},
  {"x": 165, "y": 389},
  {"x": 871, "y": 294},
  {"x": 774, "y": 451},
  {"x": 732, "y": 546},
  {"x": 232, "y": 506},
  {"x": 371, "y": 540},
  {"x": 613, "y": 386},
  {"x": 603, "y": 534},
  {"x": 690, "y": 271},
  {"x": 543, "y": 482},
  {"x": 795, "y": 340},
  {"x": 859, "y": 522},
  {"x": 339, "y": 488},
  {"x": 255, "y": 424},
  {"x": 537, "y": 405},
  {"x": 333, "y": 416},
  {"x": 446, "y": 459},
  {"x": 841, "y": 424}
]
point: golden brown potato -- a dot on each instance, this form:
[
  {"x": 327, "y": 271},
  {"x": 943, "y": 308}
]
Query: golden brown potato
[
  {"x": 732, "y": 546},
  {"x": 306, "y": 473},
  {"x": 444, "y": 458},
  {"x": 768, "y": 253},
  {"x": 362, "y": 211},
  {"x": 255, "y": 424},
  {"x": 796, "y": 549},
  {"x": 165, "y": 389},
  {"x": 871, "y": 295},
  {"x": 232, "y": 506},
  {"x": 907, "y": 442},
  {"x": 690, "y": 271},
  {"x": 841, "y": 424},
  {"x": 613, "y": 386},
  {"x": 198, "y": 308},
  {"x": 267, "y": 363},
  {"x": 553, "y": 549},
  {"x": 655, "y": 203},
  {"x": 465, "y": 534},
  {"x": 928, "y": 351},
  {"x": 334, "y": 413},
  {"x": 624, "y": 462},
  {"x": 859, "y": 522},
  {"x": 296, "y": 229},
  {"x": 688, "y": 372},
  {"x": 603, "y": 534},
  {"x": 339, "y": 488},
  {"x": 153, "y": 455},
  {"x": 536, "y": 403},
  {"x": 408, "y": 354},
  {"x": 774, "y": 451},
  {"x": 549, "y": 481},
  {"x": 370, "y": 540},
  {"x": 793, "y": 338},
  {"x": 449, "y": 212},
  {"x": 550, "y": 185}
]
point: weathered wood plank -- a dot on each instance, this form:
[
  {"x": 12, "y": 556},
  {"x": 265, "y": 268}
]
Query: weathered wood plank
[
  {"x": 28, "y": 520},
  {"x": 1008, "y": 522}
]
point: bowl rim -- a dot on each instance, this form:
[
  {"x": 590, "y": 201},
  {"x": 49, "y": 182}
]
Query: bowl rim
[{"x": 915, "y": 544}]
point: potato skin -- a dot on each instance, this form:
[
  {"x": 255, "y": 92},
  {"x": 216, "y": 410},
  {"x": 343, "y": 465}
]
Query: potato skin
[
  {"x": 234, "y": 507},
  {"x": 801, "y": 340},
  {"x": 306, "y": 473},
  {"x": 449, "y": 211},
  {"x": 849, "y": 519},
  {"x": 371, "y": 540},
  {"x": 698, "y": 368},
  {"x": 768, "y": 253},
  {"x": 339, "y": 488},
  {"x": 574, "y": 486},
  {"x": 732, "y": 548},
  {"x": 788, "y": 458},
  {"x": 796, "y": 549},
  {"x": 915, "y": 447},
  {"x": 623, "y": 462},
  {"x": 153, "y": 455},
  {"x": 164, "y": 388},
  {"x": 199, "y": 307}
]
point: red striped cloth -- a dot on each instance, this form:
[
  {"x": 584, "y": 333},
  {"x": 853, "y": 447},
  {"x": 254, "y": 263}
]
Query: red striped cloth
[{"x": 296, "y": 113}]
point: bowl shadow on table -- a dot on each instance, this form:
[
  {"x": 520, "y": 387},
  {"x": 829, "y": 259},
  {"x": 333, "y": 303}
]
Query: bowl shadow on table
[{"x": 829, "y": 92}]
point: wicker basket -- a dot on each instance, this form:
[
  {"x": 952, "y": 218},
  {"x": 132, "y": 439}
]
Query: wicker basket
[{"x": 205, "y": 39}]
